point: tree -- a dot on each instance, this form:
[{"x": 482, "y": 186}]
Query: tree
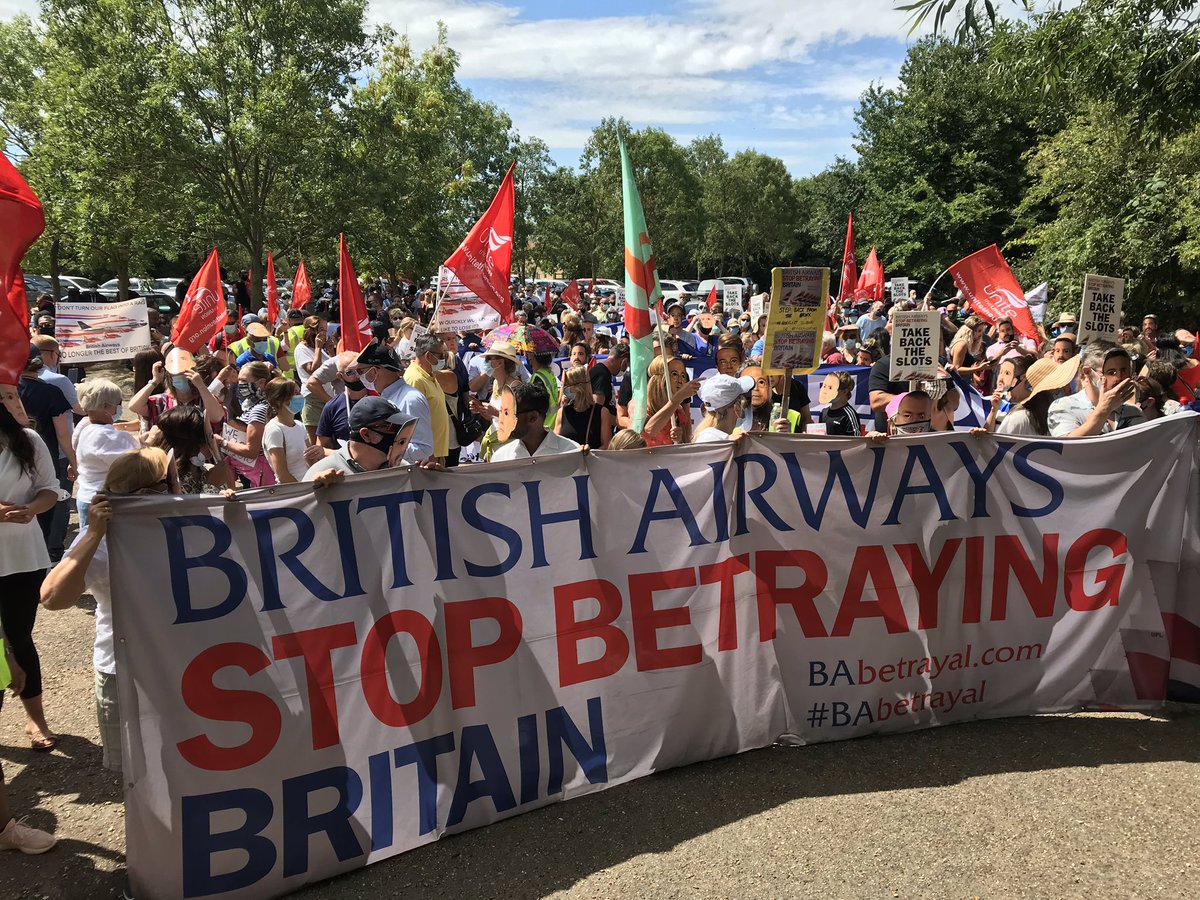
[
  {"x": 824, "y": 201},
  {"x": 257, "y": 85},
  {"x": 534, "y": 180}
]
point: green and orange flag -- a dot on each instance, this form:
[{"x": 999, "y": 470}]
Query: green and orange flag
[{"x": 642, "y": 290}]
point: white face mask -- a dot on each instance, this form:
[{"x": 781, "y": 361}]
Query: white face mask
[
  {"x": 369, "y": 383},
  {"x": 914, "y": 428}
]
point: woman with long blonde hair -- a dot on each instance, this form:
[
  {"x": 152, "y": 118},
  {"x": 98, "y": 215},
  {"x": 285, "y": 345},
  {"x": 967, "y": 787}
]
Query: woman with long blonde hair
[
  {"x": 668, "y": 403},
  {"x": 967, "y": 354},
  {"x": 580, "y": 418}
]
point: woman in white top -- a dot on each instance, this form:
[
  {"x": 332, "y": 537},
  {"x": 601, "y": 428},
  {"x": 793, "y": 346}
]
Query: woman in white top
[
  {"x": 85, "y": 567},
  {"x": 97, "y": 440},
  {"x": 310, "y": 356},
  {"x": 28, "y": 486},
  {"x": 1035, "y": 392},
  {"x": 284, "y": 439},
  {"x": 724, "y": 399}
]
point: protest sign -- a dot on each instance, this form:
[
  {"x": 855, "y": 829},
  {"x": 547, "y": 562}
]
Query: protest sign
[
  {"x": 916, "y": 338},
  {"x": 899, "y": 290},
  {"x": 230, "y": 432},
  {"x": 460, "y": 309},
  {"x": 312, "y": 682},
  {"x": 1037, "y": 299},
  {"x": 1100, "y": 313},
  {"x": 796, "y": 321},
  {"x": 733, "y": 297},
  {"x": 756, "y": 307},
  {"x": 93, "y": 332}
]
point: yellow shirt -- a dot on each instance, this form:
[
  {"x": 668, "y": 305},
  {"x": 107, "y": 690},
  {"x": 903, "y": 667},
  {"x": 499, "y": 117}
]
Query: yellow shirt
[{"x": 415, "y": 376}]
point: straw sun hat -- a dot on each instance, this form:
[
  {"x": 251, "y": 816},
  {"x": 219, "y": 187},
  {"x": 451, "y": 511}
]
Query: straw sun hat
[{"x": 1048, "y": 375}]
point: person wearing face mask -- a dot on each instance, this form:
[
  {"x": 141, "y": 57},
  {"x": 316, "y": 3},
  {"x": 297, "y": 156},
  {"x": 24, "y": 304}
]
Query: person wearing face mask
[
  {"x": 264, "y": 347},
  {"x": 1101, "y": 404},
  {"x": 581, "y": 418},
  {"x": 524, "y": 407},
  {"x": 381, "y": 370},
  {"x": 910, "y": 413},
  {"x": 379, "y": 435},
  {"x": 308, "y": 356},
  {"x": 429, "y": 356},
  {"x": 97, "y": 440},
  {"x": 347, "y": 389},
  {"x": 173, "y": 383},
  {"x": 246, "y": 456},
  {"x": 724, "y": 399},
  {"x": 1066, "y": 323}
]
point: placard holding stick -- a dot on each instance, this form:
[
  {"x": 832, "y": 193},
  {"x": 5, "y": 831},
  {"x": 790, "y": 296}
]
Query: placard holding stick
[
  {"x": 795, "y": 320},
  {"x": 915, "y": 338},
  {"x": 1100, "y": 312}
]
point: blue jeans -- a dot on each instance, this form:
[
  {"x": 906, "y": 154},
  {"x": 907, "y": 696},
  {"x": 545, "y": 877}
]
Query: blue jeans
[
  {"x": 55, "y": 520},
  {"x": 81, "y": 507}
]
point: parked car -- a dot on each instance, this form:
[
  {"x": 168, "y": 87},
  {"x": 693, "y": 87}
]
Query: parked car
[
  {"x": 674, "y": 290},
  {"x": 737, "y": 279},
  {"x": 112, "y": 287},
  {"x": 166, "y": 285},
  {"x": 70, "y": 281},
  {"x": 36, "y": 284},
  {"x": 164, "y": 303}
]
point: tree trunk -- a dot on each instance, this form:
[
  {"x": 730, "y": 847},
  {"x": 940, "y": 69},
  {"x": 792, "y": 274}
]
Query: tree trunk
[
  {"x": 257, "y": 269},
  {"x": 123, "y": 278},
  {"x": 55, "y": 245}
]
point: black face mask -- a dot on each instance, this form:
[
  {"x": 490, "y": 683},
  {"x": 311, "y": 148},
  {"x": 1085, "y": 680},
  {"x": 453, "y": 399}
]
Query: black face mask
[
  {"x": 386, "y": 439},
  {"x": 246, "y": 391},
  {"x": 355, "y": 385}
]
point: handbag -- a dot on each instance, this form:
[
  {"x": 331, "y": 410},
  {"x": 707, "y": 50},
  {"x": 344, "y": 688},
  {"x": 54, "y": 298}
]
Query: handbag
[{"x": 468, "y": 426}]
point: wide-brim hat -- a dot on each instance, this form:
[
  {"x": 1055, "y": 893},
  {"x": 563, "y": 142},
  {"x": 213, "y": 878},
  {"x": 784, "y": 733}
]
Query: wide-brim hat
[
  {"x": 1048, "y": 375},
  {"x": 1067, "y": 319},
  {"x": 503, "y": 350},
  {"x": 179, "y": 361}
]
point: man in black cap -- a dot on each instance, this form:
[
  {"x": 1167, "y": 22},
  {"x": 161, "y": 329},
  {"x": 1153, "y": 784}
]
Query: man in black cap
[{"x": 379, "y": 435}]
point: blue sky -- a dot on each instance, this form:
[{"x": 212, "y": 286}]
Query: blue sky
[{"x": 777, "y": 76}]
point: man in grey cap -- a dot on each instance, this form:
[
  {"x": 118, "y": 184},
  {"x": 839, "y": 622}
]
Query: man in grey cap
[{"x": 379, "y": 435}]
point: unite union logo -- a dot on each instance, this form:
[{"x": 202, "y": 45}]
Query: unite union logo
[{"x": 495, "y": 241}]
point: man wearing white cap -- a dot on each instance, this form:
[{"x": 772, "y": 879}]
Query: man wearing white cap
[{"x": 724, "y": 400}]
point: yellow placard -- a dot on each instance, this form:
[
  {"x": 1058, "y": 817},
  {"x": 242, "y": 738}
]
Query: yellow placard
[{"x": 796, "y": 320}]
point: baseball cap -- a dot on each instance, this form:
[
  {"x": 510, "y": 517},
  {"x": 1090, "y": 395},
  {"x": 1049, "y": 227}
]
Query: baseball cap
[
  {"x": 376, "y": 354},
  {"x": 675, "y": 304},
  {"x": 248, "y": 318},
  {"x": 718, "y": 391},
  {"x": 374, "y": 411}
]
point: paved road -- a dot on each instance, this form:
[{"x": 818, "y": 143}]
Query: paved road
[{"x": 1079, "y": 806}]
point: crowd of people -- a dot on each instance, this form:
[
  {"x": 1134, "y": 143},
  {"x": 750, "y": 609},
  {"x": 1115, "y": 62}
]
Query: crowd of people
[{"x": 281, "y": 402}]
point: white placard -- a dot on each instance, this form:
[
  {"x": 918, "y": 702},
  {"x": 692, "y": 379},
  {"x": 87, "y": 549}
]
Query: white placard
[
  {"x": 900, "y": 289},
  {"x": 915, "y": 338},
  {"x": 733, "y": 297},
  {"x": 1100, "y": 312},
  {"x": 93, "y": 332}
]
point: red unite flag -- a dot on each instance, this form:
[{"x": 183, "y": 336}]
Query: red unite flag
[
  {"x": 870, "y": 282},
  {"x": 272, "y": 292},
  {"x": 202, "y": 315},
  {"x": 712, "y": 302},
  {"x": 483, "y": 261},
  {"x": 356, "y": 327},
  {"x": 989, "y": 285},
  {"x": 24, "y": 222},
  {"x": 301, "y": 289},
  {"x": 570, "y": 295},
  {"x": 849, "y": 264}
]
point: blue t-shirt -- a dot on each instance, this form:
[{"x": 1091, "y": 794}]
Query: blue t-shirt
[
  {"x": 335, "y": 418},
  {"x": 249, "y": 356}
]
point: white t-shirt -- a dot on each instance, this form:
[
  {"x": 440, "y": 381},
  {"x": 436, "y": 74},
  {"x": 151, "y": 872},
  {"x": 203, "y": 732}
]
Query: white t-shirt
[
  {"x": 303, "y": 355},
  {"x": 1017, "y": 421},
  {"x": 96, "y": 447},
  {"x": 711, "y": 435},
  {"x": 292, "y": 440},
  {"x": 95, "y": 581},
  {"x": 22, "y": 547}
]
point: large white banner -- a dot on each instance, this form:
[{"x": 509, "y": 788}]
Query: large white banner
[
  {"x": 314, "y": 681},
  {"x": 461, "y": 309},
  {"x": 94, "y": 332}
]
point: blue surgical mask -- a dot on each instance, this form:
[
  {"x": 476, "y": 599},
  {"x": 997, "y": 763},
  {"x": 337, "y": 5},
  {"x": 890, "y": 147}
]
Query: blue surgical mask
[
  {"x": 260, "y": 347},
  {"x": 180, "y": 382}
]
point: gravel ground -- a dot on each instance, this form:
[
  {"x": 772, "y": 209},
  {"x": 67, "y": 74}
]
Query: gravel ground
[{"x": 1066, "y": 806}]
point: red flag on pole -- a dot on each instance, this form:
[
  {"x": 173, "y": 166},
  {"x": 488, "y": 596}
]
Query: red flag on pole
[
  {"x": 301, "y": 289},
  {"x": 712, "y": 302},
  {"x": 24, "y": 221},
  {"x": 989, "y": 284},
  {"x": 870, "y": 282},
  {"x": 549, "y": 301},
  {"x": 483, "y": 261},
  {"x": 570, "y": 295},
  {"x": 272, "y": 293},
  {"x": 849, "y": 264},
  {"x": 202, "y": 315},
  {"x": 356, "y": 327}
]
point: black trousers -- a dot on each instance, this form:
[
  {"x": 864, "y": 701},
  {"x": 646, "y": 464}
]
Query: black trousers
[{"x": 18, "y": 611}]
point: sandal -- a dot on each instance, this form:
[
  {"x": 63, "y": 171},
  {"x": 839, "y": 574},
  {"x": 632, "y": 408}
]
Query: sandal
[{"x": 40, "y": 743}]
